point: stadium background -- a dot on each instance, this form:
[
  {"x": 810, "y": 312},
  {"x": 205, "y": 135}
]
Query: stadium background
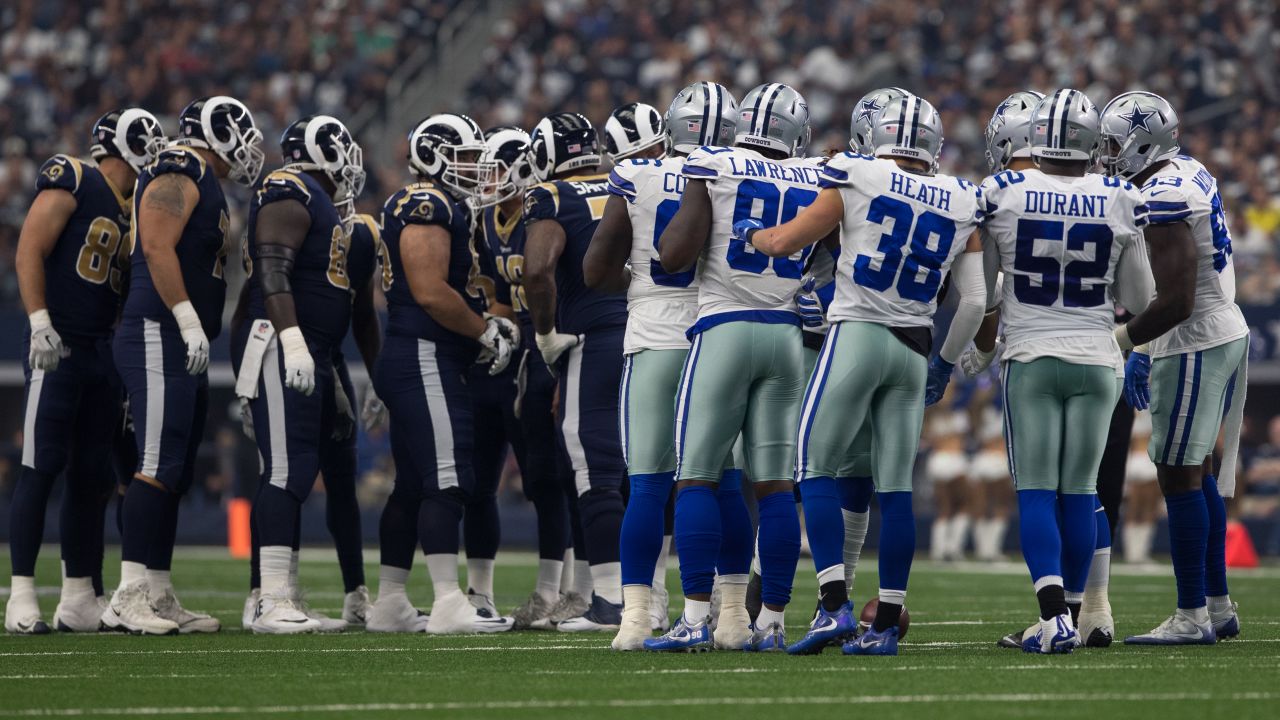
[{"x": 383, "y": 64}]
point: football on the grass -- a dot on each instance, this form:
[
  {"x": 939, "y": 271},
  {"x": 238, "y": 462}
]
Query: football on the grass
[{"x": 869, "y": 614}]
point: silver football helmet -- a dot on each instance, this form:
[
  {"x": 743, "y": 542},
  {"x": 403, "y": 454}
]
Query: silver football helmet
[
  {"x": 908, "y": 127},
  {"x": 776, "y": 117},
  {"x": 1009, "y": 130},
  {"x": 864, "y": 115},
  {"x": 1139, "y": 129},
  {"x": 1065, "y": 126},
  {"x": 704, "y": 113}
]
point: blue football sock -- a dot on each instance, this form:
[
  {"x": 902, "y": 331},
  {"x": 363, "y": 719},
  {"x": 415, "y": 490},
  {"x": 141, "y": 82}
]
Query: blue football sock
[
  {"x": 855, "y": 493},
  {"x": 738, "y": 537},
  {"x": 1103, "y": 526},
  {"x": 144, "y": 509},
  {"x": 1188, "y": 540},
  {"x": 823, "y": 522},
  {"x": 897, "y": 539},
  {"x": 26, "y": 519},
  {"x": 779, "y": 546},
  {"x": 697, "y": 538},
  {"x": 1079, "y": 538},
  {"x": 642, "y": 526},
  {"x": 439, "y": 519},
  {"x": 398, "y": 527},
  {"x": 342, "y": 516},
  {"x": 1215, "y": 558},
  {"x": 1038, "y": 529}
]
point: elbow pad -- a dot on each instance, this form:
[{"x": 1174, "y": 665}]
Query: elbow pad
[{"x": 276, "y": 265}]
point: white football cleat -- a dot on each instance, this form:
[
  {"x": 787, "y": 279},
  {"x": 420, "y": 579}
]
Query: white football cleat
[
  {"x": 1226, "y": 624},
  {"x": 327, "y": 624},
  {"x": 355, "y": 606},
  {"x": 485, "y": 607},
  {"x": 453, "y": 614},
  {"x": 168, "y": 607},
  {"x": 395, "y": 614},
  {"x": 280, "y": 615},
  {"x": 130, "y": 611},
  {"x": 78, "y": 612},
  {"x": 733, "y": 628},
  {"x": 635, "y": 628},
  {"x": 601, "y": 616},
  {"x": 534, "y": 613},
  {"x": 1179, "y": 629},
  {"x": 250, "y": 611},
  {"x": 570, "y": 605},
  {"x": 659, "y": 610},
  {"x": 1096, "y": 629},
  {"x": 22, "y": 615}
]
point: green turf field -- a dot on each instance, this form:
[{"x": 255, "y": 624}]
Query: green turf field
[{"x": 949, "y": 666}]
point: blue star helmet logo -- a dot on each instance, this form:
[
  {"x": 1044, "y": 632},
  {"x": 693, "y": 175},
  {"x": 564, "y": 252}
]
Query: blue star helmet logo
[
  {"x": 868, "y": 109},
  {"x": 1138, "y": 119},
  {"x": 1003, "y": 108}
]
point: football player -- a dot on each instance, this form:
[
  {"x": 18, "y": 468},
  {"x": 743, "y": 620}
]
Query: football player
[
  {"x": 1193, "y": 373},
  {"x": 298, "y": 311},
  {"x": 1061, "y": 361},
  {"x": 745, "y": 369},
  {"x": 181, "y": 235},
  {"x": 70, "y": 283},
  {"x": 580, "y": 333},
  {"x": 436, "y": 330},
  {"x": 902, "y": 227},
  {"x": 646, "y": 183},
  {"x": 505, "y": 173}
]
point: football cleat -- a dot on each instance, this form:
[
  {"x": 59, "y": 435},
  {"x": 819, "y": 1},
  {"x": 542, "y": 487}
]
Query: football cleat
[
  {"x": 873, "y": 642},
  {"x": 484, "y": 605},
  {"x": 1055, "y": 635},
  {"x": 355, "y": 606},
  {"x": 78, "y": 612},
  {"x": 1013, "y": 640},
  {"x": 683, "y": 637},
  {"x": 570, "y": 605},
  {"x": 772, "y": 638},
  {"x": 1177, "y": 630},
  {"x": 1226, "y": 625},
  {"x": 281, "y": 615},
  {"x": 168, "y": 607},
  {"x": 1096, "y": 629},
  {"x": 453, "y": 614},
  {"x": 659, "y": 609},
  {"x": 732, "y": 628},
  {"x": 634, "y": 629},
  {"x": 327, "y": 624},
  {"x": 602, "y": 615},
  {"x": 395, "y": 614},
  {"x": 22, "y": 616},
  {"x": 250, "y": 610},
  {"x": 534, "y": 613},
  {"x": 826, "y": 629},
  {"x": 130, "y": 611}
]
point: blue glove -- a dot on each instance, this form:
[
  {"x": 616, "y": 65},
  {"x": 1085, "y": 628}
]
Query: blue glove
[
  {"x": 939, "y": 376},
  {"x": 743, "y": 228},
  {"x": 808, "y": 304},
  {"x": 1137, "y": 380}
]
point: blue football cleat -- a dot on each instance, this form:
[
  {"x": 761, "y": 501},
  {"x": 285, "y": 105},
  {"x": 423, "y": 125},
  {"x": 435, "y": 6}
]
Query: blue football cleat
[
  {"x": 1056, "y": 635},
  {"x": 873, "y": 642},
  {"x": 1226, "y": 625},
  {"x": 826, "y": 628},
  {"x": 683, "y": 637},
  {"x": 772, "y": 638}
]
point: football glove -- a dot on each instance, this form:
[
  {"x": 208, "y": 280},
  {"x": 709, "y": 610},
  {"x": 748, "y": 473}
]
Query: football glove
[
  {"x": 46, "y": 343},
  {"x": 554, "y": 344},
  {"x": 509, "y": 329},
  {"x": 495, "y": 344},
  {"x": 743, "y": 229},
  {"x": 808, "y": 304},
  {"x": 193, "y": 335},
  {"x": 1137, "y": 380},
  {"x": 299, "y": 368},
  {"x": 974, "y": 361},
  {"x": 374, "y": 413},
  {"x": 939, "y": 375}
]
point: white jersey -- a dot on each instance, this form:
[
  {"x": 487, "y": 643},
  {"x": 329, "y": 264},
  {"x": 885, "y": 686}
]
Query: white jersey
[
  {"x": 1059, "y": 240},
  {"x": 736, "y": 281},
  {"x": 900, "y": 233},
  {"x": 1184, "y": 191},
  {"x": 661, "y": 306}
]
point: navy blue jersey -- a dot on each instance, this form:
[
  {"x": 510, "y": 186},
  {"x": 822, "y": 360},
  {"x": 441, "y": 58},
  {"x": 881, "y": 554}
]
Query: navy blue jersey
[
  {"x": 426, "y": 204},
  {"x": 202, "y": 249},
  {"x": 320, "y": 281},
  {"x": 503, "y": 239},
  {"x": 365, "y": 251},
  {"x": 577, "y": 203},
  {"x": 82, "y": 273}
]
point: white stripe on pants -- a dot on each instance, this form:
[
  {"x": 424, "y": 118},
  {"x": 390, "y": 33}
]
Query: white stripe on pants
[
  {"x": 570, "y": 391},
  {"x": 441, "y": 422},
  {"x": 273, "y": 388},
  {"x": 29, "y": 423},
  {"x": 153, "y": 428}
]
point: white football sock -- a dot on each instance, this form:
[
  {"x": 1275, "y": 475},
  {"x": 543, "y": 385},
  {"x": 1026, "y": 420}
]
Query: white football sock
[
  {"x": 548, "y": 583},
  {"x": 1199, "y": 615},
  {"x": 132, "y": 572},
  {"x": 607, "y": 579},
  {"x": 660, "y": 570},
  {"x": 443, "y": 569},
  {"x": 855, "y": 534},
  {"x": 391, "y": 581},
  {"x": 480, "y": 576},
  {"x": 733, "y": 592},
  {"x": 695, "y": 611},
  {"x": 1219, "y": 604},
  {"x": 768, "y": 617},
  {"x": 275, "y": 561},
  {"x": 635, "y": 599},
  {"x": 73, "y": 587},
  {"x": 1095, "y": 588},
  {"x": 566, "y": 576},
  {"x": 158, "y": 581},
  {"x": 582, "y": 582},
  {"x": 24, "y": 587}
]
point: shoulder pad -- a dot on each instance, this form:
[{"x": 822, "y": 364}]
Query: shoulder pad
[
  {"x": 542, "y": 202},
  {"x": 1167, "y": 199},
  {"x": 367, "y": 225},
  {"x": 622, "y": 181},
  {"x": 60, "y": 172},
  {"x": 282, "y": 185},
  {"x": 178, "y": 160},
  {"x": 416, "y": 205},
  {"x": 706, "y": 163},
  {"x": 836, "y": 172}
]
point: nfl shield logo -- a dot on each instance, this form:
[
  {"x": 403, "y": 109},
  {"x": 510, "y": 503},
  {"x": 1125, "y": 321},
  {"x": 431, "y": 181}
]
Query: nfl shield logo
[
  {"x": 264, "y": 326},
  {"x": 1072, "y": 133}
]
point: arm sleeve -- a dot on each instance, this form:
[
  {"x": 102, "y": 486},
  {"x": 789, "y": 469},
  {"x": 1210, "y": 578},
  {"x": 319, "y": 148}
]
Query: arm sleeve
[
  {"x": 967, "y": 277},
  {"x": 1135, "y": 285}
]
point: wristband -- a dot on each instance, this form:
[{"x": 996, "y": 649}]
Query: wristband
[
  {"x": 291, "y": 341},
  {"x": 1122, "y": 337},
  {"x": 40, "y": 319},
  {"x": 186, "y": 316}
]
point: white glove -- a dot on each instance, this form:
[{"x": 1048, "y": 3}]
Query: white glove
[
  {"x": 246, "y": 418},
  {"x": 344, "y": 420},
  {"x": 46, "y": 343},
  {"x": 554, "y": 344},
  {"x": 193, "y": 335},
  {"x": 374, "y": 413},
  {"x": 495, "y": 345},
  {"x": 974, "y": 361},
  {"x": 299, "y": 368},
  {"x": 509, "y": 329}
]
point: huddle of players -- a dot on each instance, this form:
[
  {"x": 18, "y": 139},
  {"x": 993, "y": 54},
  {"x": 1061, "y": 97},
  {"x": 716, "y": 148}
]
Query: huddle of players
[{"x": 748, "y": 269}]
